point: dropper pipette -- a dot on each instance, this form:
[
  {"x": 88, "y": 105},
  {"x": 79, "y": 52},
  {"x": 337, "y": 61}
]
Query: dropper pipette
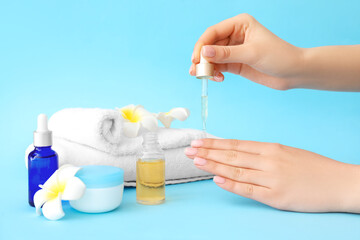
[
  {"x": 204, "y": 102},
  {"x": 204, "y": 71}
]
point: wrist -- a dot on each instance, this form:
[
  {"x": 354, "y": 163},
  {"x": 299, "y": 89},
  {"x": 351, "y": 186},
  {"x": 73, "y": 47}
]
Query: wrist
[
  {"x": 351, "y": 197},
  {"x": 298, "y": 76}
]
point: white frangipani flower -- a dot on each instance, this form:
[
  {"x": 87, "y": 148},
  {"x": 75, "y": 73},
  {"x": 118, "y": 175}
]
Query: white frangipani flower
[
  {"x": 176, "y": 113},
  {"x": 136, "y": 117},
  {"x": 62, "y": 185}
]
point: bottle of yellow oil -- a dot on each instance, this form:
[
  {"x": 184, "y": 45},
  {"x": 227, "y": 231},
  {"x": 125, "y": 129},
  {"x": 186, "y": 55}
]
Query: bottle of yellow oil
[{"x": 150, "y": 172}]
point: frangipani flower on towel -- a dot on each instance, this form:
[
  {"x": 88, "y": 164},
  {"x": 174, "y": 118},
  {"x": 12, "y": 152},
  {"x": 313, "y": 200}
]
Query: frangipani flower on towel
[
  {"x": 176, "y": 113},
  {"x": 136, "y": 117},
  {"x": 62, "y": 185}
]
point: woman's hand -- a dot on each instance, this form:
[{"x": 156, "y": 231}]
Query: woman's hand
[
  {"x": 283, "y": 177},
  {"x": 241, "y": 45}
]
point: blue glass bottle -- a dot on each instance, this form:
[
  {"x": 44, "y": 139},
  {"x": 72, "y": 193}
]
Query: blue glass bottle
[{"x": 42, "y": 161}]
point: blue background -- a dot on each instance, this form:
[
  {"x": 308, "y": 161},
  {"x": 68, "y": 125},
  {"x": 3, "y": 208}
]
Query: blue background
[{"x": 60, "y": 54}]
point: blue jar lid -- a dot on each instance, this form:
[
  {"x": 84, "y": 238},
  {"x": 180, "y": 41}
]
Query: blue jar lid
[{"x": 99, "y": 176}]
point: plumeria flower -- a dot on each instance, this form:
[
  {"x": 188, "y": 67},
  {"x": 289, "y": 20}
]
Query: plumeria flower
[
  {"x": 176, "y": 113},
  {"x": 136, "y": 117},
  {"x": 62, "y": 185}
]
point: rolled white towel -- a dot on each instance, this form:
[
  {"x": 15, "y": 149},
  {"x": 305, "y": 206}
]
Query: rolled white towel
[{"x": 94, "y": 127}]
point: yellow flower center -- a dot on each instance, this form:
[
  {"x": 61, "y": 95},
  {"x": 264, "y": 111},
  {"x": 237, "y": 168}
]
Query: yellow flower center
[
  {"x": 132, "y": 116},
  {"x": 54, "y": 190}
]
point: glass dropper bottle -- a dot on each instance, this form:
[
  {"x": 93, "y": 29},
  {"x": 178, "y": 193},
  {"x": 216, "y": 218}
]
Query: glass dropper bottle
[
  {"x": 150, "y": 171},
  {"x": 204, "y": 71}
]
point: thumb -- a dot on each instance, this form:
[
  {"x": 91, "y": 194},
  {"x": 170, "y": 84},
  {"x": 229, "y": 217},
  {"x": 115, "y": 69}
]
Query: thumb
[{"x": 227, "y": 54}]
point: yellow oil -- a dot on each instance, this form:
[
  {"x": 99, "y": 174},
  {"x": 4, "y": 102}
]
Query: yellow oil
[{"x": 150, "y": 181}]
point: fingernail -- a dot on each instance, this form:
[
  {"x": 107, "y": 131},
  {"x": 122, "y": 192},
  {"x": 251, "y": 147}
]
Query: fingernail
[
  {"x": 196, "y": 143},
  {"x": 199, "y": 161},
  {"x": 190, "y": 70},
  {"x": 192, "y": 57},
  {"x": 219, "y": 180},
  {"x": 190, "y": 151},
  {"x": 208, "y": 51},
  {"x": 218, "y": 77}
]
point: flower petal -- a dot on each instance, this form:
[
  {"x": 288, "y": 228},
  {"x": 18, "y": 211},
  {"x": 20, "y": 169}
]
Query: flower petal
[
  {"x": 40, "y": 197},
  {"x": 52, "y": 181},
  {"x": 129, "y": 107},
  {"x": 52, "y": 209},
  {"x": 74, "y": 189},
  {"x": 139, "y": 108},
  {"x": 165, "y": 119},
  {"x": 149, "y": 122},
  {"x": 127, "y": 111},
  {"x": 179, "y": 113},
  {"x": 131, "y": 113},
  {"x": 66, "y": 172},
  {"x": 131, "y": 129}
]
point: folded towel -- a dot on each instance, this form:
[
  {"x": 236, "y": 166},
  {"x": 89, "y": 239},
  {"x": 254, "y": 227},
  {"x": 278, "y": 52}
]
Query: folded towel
[
  {"x": 178, "y": 168},
  {"x": 93, "y": 137},
  {"x": 101, "y": 129}
]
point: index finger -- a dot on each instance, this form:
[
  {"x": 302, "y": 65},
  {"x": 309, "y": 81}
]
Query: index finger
[
  {"x": 230, "y": 144},
  {"x": 213, "y": 34},
  {"x": 217, "y": 32}
]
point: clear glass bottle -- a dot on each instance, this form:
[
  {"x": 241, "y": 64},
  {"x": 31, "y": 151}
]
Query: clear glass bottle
[{"x": 150, "y": 172}]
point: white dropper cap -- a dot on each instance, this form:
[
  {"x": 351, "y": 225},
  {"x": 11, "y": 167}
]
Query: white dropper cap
[
  {"x": 42, "y": 135},
  {"x": 204, "y": 70}
]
